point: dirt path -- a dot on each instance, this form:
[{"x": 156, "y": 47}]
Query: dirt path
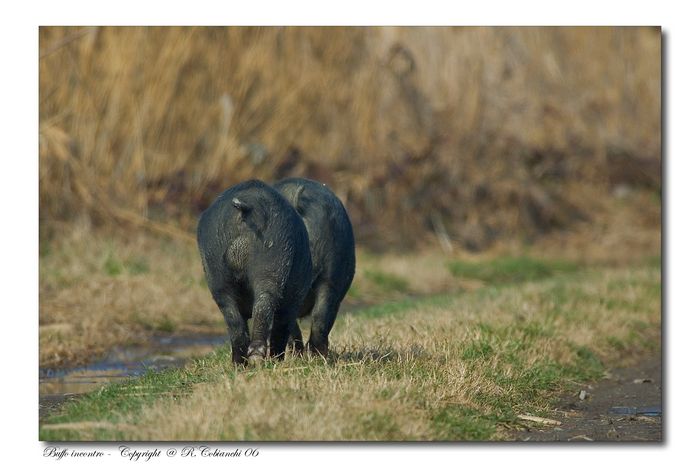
[{"x": 591, "y": 419}]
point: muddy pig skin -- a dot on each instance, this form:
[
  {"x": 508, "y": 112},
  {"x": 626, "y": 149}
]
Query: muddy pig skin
[
  {"x": 332, "y": 247},
  {"x": 256, "y": 258}
]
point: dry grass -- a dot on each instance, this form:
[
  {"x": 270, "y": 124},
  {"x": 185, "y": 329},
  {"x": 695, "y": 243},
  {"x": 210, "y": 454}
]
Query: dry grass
[
  {"x": 97, "y": 291},
  {"x": 452, "y": 136},
  {"x": 100, "y": 289},
  {"x": 627, "y": 230},
  {"x": 450, "y": 368}
]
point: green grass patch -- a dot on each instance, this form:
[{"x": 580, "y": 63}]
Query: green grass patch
[
  {"x": 509, "y": 345},
  {"x": 478, "y": 349},
  {"x": 136, "y": 266},
  {"x": 166, "y": 325},
  {"x": 112, "y": 266},
  {"x": 401, "y": 306},
  {"x": 354, "y": 292},
  {"x": 162, "y": 324},
  {"x": 509, "y": 270},
  {"x": 462, "y": 423},
  {"x": 386, "y": 281},
  {"x": 44, "y": 248}
]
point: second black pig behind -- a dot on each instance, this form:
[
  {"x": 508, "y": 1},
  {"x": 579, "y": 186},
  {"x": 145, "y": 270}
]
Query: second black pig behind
[
  {"x": 256, "y": 258},
  {"x": 332, "y": 246}
]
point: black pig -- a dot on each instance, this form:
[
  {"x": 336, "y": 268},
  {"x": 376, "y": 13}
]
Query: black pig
[
  {"x": 332, "y": 247},
  {"x": 255, "y": 253}
]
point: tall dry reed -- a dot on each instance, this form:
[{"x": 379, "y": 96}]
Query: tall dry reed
[{"x": 465, "y": 134}]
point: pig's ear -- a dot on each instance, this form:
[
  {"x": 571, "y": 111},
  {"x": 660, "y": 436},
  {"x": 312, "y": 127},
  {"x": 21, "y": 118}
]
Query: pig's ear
[
  {"x": 296, "y": 197},
  {"x": 241, "y": 205}
]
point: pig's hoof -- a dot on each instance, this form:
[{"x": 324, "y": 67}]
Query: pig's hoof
[
  {"x": 320, "y": 350},
  {"x": 238, "y": 360},
  {"x": 255, "y": 360}
]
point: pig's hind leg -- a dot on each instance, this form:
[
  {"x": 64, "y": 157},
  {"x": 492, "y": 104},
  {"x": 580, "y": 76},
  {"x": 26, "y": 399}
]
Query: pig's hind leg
[
  {"x": 281, "y": 328},
  {"x": 264, "y": 307},
  {"x": 322, "y": 318},
  {"x": 295, "y": 339},
  {"x": 237, "y": 327}
]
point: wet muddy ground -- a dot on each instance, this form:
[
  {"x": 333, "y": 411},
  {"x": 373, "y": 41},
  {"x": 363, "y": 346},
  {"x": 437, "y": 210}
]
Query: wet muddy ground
[
  {"x": 58, "y": 385},
  {"x": 626, "y": 406}
]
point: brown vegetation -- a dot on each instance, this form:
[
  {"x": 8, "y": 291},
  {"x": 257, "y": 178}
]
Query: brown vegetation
[{"x": 463, "y": 135}]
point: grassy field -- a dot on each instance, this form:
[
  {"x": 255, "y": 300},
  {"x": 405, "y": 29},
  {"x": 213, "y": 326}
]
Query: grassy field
[
  {"x": 98, "y": 289},
  {"x": 451, "y": 366},
  {"x": 97, "y": 292}
]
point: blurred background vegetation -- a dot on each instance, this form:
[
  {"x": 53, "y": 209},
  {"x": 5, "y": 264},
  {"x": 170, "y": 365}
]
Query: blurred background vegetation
[{"x": 450, "y": 137}]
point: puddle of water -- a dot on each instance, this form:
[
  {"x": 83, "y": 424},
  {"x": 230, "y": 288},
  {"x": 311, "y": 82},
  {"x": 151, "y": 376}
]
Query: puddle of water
[
  {"x": 651, "y": 411},
  {"x": 57, "y": 385}
]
